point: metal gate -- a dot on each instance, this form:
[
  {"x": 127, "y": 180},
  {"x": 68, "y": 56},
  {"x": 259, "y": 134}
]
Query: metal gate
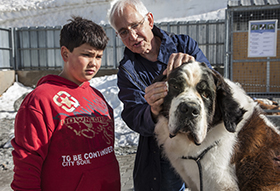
[{"x": 259, "y": 76}]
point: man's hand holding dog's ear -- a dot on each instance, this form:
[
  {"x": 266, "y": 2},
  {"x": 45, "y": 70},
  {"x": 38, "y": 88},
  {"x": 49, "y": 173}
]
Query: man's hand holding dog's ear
[{"x": 154, "y": 95}]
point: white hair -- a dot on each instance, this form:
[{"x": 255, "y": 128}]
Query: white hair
[{"x": 119, "y": 5}]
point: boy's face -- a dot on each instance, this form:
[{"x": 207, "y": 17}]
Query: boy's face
[{"x": 81, "y": 64}]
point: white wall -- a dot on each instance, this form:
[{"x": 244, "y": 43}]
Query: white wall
[{"x": 19, "y": 13}]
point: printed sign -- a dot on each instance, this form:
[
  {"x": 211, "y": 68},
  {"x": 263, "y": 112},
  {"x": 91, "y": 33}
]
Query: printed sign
[{"x": 262, "y": 38}]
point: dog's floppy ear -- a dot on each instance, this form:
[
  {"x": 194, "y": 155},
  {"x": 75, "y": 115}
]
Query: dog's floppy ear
[
  {"x": 162, "y": 77},
  {"x": 159, "y": 78},
  {"x": 230, "y": 110}
]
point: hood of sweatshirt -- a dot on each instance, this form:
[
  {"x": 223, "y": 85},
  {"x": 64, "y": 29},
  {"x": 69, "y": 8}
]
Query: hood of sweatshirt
[{"x": 58, "y": 80}]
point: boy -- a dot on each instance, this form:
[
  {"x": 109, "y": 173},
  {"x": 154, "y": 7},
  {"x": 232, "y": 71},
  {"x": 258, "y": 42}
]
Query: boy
[{"x": 64, "y": 129}]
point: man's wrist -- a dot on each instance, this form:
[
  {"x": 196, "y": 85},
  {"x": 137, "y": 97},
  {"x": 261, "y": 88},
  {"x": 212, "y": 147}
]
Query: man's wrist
[{"x": 154, "y": 116}]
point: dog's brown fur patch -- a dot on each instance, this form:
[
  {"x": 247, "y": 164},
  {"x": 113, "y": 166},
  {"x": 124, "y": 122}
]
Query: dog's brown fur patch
[
  {"x": 257, "y": 156},
  {"x": 265, "y": 106}
]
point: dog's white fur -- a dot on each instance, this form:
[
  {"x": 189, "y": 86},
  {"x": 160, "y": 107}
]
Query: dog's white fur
[{"x": 218, "y": 172}]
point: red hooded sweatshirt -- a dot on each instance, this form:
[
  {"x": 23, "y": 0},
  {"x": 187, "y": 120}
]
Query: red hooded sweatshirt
[{"x": 64, "y": 139}]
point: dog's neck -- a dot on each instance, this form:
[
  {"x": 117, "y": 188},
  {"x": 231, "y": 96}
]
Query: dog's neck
[{"x": 198, "y": 161}]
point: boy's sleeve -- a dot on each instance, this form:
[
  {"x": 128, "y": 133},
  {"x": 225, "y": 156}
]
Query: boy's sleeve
[{"x": 30, "y": 149}]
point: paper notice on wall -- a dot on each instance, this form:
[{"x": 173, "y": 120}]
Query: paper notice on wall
[{"x": 262, "y": 38}]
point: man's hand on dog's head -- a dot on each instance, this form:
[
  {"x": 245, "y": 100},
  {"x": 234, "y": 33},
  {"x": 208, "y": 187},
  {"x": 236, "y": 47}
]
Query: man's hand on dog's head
[{"x": 176, "y": 60}]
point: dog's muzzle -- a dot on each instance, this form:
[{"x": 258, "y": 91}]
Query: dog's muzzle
[
  {"x": 186, "y": 114},
  {"x": 189, "y": 110}
]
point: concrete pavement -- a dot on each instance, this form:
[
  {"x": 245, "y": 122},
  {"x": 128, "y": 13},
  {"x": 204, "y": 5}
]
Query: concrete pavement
[{"x": 126, "y": 169}]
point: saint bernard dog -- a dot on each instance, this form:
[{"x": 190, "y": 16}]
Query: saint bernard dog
[{"x": 215, "y": 136}]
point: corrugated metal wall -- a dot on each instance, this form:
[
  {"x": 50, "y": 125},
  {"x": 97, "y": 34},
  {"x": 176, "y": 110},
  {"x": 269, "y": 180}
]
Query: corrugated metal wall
[
  {"x": 6, "y": 49},
  {"x": 210, "y": 36},
  {"x": 37, "y": 48}
]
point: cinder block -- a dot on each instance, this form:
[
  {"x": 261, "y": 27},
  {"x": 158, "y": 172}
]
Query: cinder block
[{"x": 7, "y": 78}]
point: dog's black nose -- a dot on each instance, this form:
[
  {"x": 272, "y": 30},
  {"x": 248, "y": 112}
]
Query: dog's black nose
[{"x": 190, "y": 110}]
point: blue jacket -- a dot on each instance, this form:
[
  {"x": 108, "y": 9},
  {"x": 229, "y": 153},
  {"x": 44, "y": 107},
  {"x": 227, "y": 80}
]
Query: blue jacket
[{"x": 134, "y": 75}]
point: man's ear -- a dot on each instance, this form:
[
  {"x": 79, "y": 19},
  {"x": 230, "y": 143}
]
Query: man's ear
[
  {"x": 64, "y": 53},
  {"x": 150, "y": 19}
]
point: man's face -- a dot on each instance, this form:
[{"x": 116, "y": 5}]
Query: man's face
[
  {"x": 81, "y": 64},
  {"x": 138, "y": 40}
]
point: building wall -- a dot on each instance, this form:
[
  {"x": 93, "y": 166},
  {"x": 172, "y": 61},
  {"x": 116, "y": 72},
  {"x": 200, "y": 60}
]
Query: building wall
[{"x": 30, "y": 78}]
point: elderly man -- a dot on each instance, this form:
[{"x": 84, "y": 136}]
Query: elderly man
[{"x": 149, "y": 52}]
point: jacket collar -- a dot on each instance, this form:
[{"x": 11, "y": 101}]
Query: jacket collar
[{"x": 167, "y": 47}]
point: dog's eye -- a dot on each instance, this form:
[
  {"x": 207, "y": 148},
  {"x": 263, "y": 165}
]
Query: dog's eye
[
  {"x": 205, "y": 94},
  {"x": 175, "y": 87}
]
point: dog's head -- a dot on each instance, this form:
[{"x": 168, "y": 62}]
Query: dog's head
[{"x": 198, "y": 99}]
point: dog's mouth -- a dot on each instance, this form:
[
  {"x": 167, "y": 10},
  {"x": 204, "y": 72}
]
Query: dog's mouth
[
  {"x": 187, "y": 119},
  {"x": 191, "y": 136},
  {"x": 194, "y": 139}
]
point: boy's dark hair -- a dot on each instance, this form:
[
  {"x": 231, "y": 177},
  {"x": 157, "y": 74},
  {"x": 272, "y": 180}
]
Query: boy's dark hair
[{"x": 80, "y": 31}]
